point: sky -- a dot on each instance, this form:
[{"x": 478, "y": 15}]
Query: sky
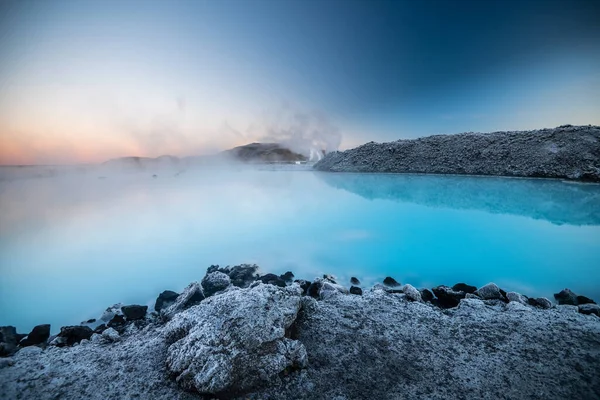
[{"x": 84, "y": 81}]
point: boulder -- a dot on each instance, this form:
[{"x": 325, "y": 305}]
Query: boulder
[
  {"x": 328, "y": 289},
  {"x": 446, "y": 297},
  {"x": 8, "y": 340},
  {"x": 585, "y": 300},
  {"x": 111, "y": 311},
  {"x": 314, "y": 288},
  {"x": 354, "y": 281},
  {"x": 329, "y": 278},
  {"x": 100, "y": 328},
  {"x": 288, "y": 277},
  {"x": 566, "y": 296},
  {"x": 134, "y": 312},
  {"x": 412, "y": 294},
  {"x": 190, "y": 296},
  {"x": 463, "y": 287},
  {"x": 272, "y": 279},
  {"x": 236, "y": 341},
  {"x": 111, "y": 335},
  {"x": 38, "y": 335},
  {"x": 590, "y": 308},
  {"x": 389, "y": 281},
  {"x": 540, "y": 302},
  {"x": 426, "y": 294},
  {"x": 491, "y": 291},
  {"x": 356, "y": 290},
  {"x": 517, "y": 306},
  {"x": 74, "y": 334},
  {"x": 517, "y": 297},
  {"x": 240, "y": 275},
  {"x": 215, "y": 282},
  {"x": 165, "y": 299}
]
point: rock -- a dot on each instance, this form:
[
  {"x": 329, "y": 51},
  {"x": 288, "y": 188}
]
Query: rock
[
  {"x": 8, "y": 340},
  {"x": 111, "y": 311},
  {"x": 328, "y": 289},
  {"x": 356, "y": 290},
  {"x": 426, "y": 295},
  {"x": 288, "y": 277},
  {"x": 517, "y": 297},
  {"x": 6, "y": 362},
  {"x": 58, "y": 341},
  {"x": 304, "y": 285},
  {"x": 243, "y": 275},
  {"x": 463, "y": 287},
  {"x": 190, "y": 296},
  {"x": 134, "y": 312},
  {"x": 74, "y": 334},
  {"x": 215, "y": 282},
  {"x": 100, "y": 328},
  {"x": 314, "y": 288},
  {"x": 96, "y": 338},
  {"x": 472, "y": 296},
  {"x": 165, "y": 299},
  {"x": 111, "y": 335},
  {"x": 38, "y": 335},
  {"x": 90, "y": 321},
  {"x": 517, "y": 306},
  {"x": 236, "y": 341},
  {"x": 540, "y": 302},
  {"x": 489, "y": 292},
  {"x": 272, "y": 279},
  {"x": 389, "y": 281},
  {"x": 330, "y": 278},
  {"x": 585, "y": 300},
  {"x": 566, "y": 296},
  {"x": 412, "y": 294},
  {"x": 354, "y": 281},
  {"x": 590, "y": 308},
  {"x": 446, "y": 297},
  {"x": 118, "y": 322}
]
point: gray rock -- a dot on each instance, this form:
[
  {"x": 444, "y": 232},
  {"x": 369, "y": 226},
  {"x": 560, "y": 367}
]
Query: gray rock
[
  {"x": 111, "y": 335},
  {"x": 563, "y": 152},
  {"x": 590, "y": 308},
  {"x": 190, "y": 296},
  {"x": 330, "y": 289},
  {"x": 235, "y": 341},
  {"x": 566, "y": 296},
  {"x": 517, "y": 306},
  {"x": 516, "y": 297},
  {"x": 489, "y": 292},
  {"x": 540, "y": 302},
  {"x": 412, "y": 294},
  {"x": 6, "y": 362},
  {"x": 472, "y": 296},
  {"x": 215, "y": 282}
]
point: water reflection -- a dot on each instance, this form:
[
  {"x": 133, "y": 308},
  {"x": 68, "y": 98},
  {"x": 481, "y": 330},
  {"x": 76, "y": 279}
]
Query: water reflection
[{"x": 551, "y": 200}]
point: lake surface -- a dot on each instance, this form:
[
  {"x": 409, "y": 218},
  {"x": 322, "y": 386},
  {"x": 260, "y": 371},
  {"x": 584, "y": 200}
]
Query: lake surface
[{"x": 72, "y": 245}]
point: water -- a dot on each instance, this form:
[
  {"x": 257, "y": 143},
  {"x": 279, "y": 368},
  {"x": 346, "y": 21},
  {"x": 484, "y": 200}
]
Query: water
[{"x": 72, "y": 245}]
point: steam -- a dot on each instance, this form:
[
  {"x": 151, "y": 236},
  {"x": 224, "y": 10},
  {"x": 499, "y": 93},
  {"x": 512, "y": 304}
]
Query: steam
[{"x": 310, "y": 134}]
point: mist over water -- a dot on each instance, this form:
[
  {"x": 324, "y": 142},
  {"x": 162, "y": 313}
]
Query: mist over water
[{"x": 73, "y": 244}]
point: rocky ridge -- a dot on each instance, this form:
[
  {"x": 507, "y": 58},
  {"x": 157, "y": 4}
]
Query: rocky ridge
[
  {"x": 239, "y": 334},
  {"x": 566, "y": 152}
]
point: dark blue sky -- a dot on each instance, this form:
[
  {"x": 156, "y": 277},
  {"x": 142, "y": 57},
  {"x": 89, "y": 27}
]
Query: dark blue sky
[{"x": 379, "y": 70}]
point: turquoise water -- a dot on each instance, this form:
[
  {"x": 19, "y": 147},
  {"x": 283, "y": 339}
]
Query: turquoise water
[{"x": 71, "y": 246}]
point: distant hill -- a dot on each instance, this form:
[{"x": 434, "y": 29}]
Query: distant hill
[{"x": 264, "y": 152}]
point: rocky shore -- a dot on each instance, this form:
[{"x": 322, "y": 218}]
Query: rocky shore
[
  {"x": 566, "y": 152},
  {"x": 241, "y": 334}
]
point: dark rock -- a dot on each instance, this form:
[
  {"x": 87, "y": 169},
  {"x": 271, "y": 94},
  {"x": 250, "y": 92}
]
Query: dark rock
[
  {"x": 503, "y": 298},
  {"x": 75, "y": 334},
  {"x": 8, "y": 340},
  {"x": 389, "y": 281},
  {"x": 540, "y": 302},
  {"x": 314, "y": 289},
  {"x": 491, "y": 291},
  {"x": 304, "y": 285},
  {"x": 191, "y": 295},
  {"x": 463, "y": 287},
  {"x": 584, "y": 300},
  {"x": 100, "y": 328},
  {"x": 38, "y": 335},
  {"x": 118, "y": 323},
  {"x": 329, "y": 278},
  {"x": 134, "y": 312},
  {"x": 288, "y": 277},
  {"x": 165, "y": 299},
  {"x": 356, "y": 290},
  {"x": 354, "y": 281},
  {"x": 90, "y": 321},
  {"x": 215, "y": 282},
  {"x": 566, "y": 296},
  {"x": 426, "y": 295},
  {"x": 446, "y": 297},
  {"x": 590, "y": 308},
  {"x": 240, "y": 275},
  {"x": 272, "y": 279}
]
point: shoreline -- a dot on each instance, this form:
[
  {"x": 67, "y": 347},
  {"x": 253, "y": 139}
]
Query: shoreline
[{"x": 289, "y": 332}]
